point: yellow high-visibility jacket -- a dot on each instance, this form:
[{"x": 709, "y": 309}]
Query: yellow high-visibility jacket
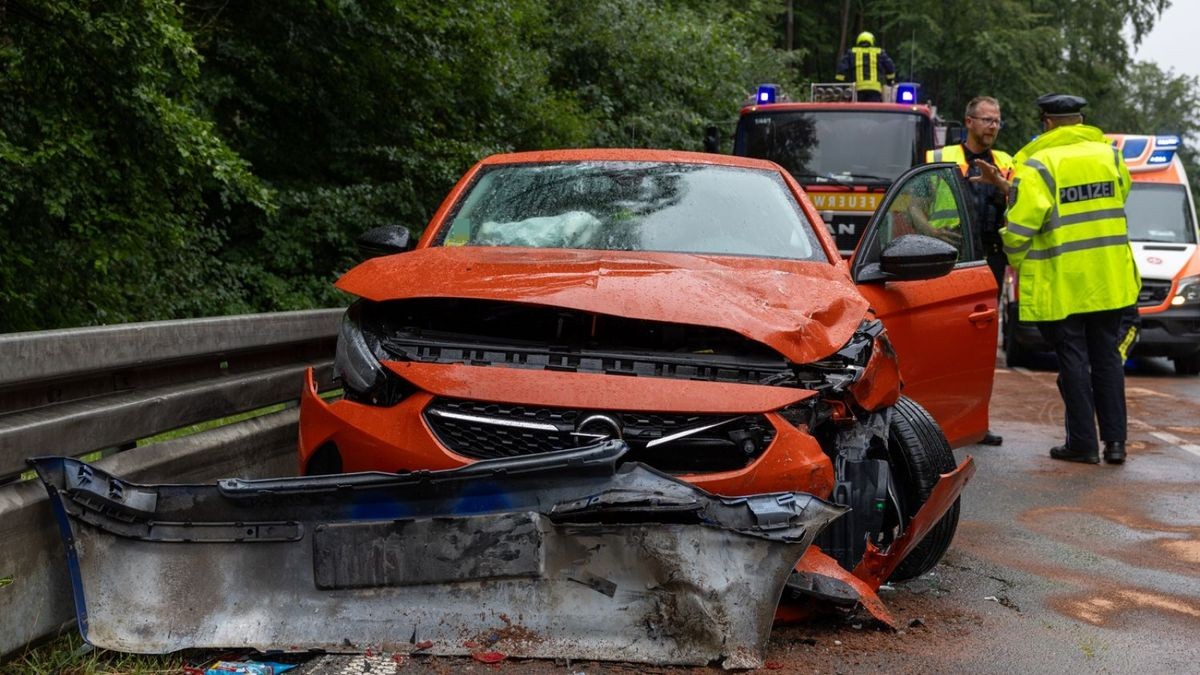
[
  {"x": 945, "y": 211},
  {"x": 867, "y": 62},
  {"x": 1066, "y": 234}
]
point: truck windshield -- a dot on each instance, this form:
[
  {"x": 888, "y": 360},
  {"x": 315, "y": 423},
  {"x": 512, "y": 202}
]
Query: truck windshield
[
  {"x": 634, "y": 206},
  {"x": 1160, "y": 213},
  {"x": 834, "y": 145}
]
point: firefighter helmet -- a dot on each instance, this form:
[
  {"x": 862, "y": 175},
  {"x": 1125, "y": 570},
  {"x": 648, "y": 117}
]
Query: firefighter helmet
[{"x": 865, "y": 39}]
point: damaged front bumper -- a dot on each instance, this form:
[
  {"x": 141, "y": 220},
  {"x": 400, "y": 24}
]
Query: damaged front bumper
[{"x": 568, "y": 554}]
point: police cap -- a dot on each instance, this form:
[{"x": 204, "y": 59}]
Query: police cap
[{"x": 1060, "y": 105}]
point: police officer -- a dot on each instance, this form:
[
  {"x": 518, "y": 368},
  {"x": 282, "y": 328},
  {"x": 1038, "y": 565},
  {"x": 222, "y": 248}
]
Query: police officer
[
  {"x": 1067, "y": 238},
  {"x": 866, "y": 60}
]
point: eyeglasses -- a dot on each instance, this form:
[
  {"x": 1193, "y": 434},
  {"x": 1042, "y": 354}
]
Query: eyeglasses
[{"x": 989, "y": 121}]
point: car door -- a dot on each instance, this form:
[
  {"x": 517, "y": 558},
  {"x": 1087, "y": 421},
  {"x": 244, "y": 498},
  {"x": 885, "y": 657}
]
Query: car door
[{"x": 944, "y": 329}]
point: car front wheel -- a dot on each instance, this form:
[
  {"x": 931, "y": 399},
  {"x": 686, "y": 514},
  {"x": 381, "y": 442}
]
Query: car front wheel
[{"x": 918, "y": 455}]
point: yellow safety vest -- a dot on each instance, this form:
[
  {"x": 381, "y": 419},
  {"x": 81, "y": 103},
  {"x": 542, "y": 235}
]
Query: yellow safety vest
[
  {"x": 956, "y": 154},
  {"x": 1066, "y": 233},
  {"x": 945, "y": 210}
]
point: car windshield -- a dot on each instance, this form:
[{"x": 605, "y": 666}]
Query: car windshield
[
  {"x": 634, "y": 206},
  {"x": 835, "y": 145},
  {"x": 1159, "y": 213}
]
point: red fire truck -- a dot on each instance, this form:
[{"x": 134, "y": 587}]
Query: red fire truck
[{"x": 845, "y": 153}]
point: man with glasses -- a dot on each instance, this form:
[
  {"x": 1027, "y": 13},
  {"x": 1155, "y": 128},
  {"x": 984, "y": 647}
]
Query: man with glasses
[{"x": 983, "y": 124}]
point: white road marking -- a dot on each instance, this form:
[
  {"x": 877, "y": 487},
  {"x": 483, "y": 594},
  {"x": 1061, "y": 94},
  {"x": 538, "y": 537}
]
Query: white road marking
[{"x": 1177, "y": 442}]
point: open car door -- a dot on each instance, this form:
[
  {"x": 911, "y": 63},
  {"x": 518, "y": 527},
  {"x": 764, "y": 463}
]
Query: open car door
[{"x": 944, "y": 329}]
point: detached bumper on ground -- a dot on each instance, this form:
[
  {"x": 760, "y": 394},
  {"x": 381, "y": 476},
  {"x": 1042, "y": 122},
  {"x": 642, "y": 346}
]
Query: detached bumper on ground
[{"x": 561, "y": 555}]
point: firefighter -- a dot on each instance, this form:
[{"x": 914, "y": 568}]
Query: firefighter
[
  {"x": 1068, "y": 241},
  {"x": 865, "y": 60}
]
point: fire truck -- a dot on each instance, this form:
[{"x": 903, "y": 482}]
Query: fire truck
[{"x": 845, "y": 153}]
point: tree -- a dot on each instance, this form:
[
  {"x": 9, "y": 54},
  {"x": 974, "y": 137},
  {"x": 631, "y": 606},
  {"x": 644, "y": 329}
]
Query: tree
[{"x": 110, "y": 177}]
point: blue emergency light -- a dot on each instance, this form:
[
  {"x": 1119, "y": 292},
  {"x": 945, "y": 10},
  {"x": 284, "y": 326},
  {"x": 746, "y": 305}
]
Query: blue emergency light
[
  {"x": 906, "y": 92},
  {"x": 1161, "y": 157},
  {"x": 767, "y": 93},
  {"x": 1167, "y": 141}
]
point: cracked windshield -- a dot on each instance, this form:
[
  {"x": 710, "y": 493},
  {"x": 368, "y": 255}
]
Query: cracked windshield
[{"x": 635, "y": 207}]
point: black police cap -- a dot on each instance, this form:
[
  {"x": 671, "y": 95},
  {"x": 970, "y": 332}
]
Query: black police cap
[{"x": 1054, "y": 105}]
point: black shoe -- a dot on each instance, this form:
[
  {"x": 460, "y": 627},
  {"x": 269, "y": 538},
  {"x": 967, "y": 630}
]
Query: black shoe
[
  {"x": 992, "y": 439},
  {"x": 1068, "y": 455},
  {"x": 1114, "y": 452}
]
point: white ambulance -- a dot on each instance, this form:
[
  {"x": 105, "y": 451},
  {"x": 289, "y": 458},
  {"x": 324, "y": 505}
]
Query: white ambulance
[{"x": 1164, "y": 236}]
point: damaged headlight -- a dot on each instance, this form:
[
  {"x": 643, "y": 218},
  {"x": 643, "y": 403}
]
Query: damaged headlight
[
  {"x": 356, "y": 364},
  {"x": 845, "y": 366}
]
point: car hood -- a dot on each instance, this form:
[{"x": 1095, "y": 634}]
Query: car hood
[{"x": 803, "y": 310}]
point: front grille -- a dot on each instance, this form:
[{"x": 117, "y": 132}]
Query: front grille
[
  {"x": 1153, "y": 292},
  {"x": 482, "y": 430}
]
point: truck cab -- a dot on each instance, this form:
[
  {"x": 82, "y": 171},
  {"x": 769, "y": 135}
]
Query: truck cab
[{"x": 845, "y": 154}]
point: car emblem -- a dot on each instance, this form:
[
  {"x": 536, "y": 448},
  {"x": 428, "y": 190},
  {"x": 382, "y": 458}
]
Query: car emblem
[
  {"x": 597, "y": 428},
  {"x": 1154, "y": 260}
]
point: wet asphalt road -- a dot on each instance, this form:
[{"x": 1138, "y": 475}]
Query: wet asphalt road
[{"x": 1056, "y": 567}]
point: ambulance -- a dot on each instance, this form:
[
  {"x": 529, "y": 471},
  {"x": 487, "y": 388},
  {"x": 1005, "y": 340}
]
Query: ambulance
[{"x": 1164, "y": 236}]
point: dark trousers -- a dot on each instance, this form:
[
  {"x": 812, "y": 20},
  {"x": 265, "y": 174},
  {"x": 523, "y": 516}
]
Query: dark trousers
[
  {"x": 1091, "y": 375},
  {"x": 870, "y": 96}
]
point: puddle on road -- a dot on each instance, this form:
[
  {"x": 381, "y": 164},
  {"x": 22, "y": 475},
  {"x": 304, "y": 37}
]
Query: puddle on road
[
  {"x": 1105, "y": 609},
  {"x": 1186, "y": 550}
]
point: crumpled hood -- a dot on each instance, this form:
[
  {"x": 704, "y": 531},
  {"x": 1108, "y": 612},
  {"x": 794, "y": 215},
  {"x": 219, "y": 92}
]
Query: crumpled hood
[{"x": 803, "y": 310}]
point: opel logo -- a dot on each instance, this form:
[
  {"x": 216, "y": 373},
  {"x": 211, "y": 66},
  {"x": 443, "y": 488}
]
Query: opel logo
[{"x": 597, "y": 428}]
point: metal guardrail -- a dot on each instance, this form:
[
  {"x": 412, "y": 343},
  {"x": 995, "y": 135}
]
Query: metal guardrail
[{"x": 75, "y": 391}]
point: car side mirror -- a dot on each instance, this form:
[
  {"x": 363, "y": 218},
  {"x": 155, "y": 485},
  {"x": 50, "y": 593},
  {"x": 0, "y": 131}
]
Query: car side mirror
[
  {"x": 712, "y": 139},
  {"x": 385, "y": 240},
  {"x": 955, "y": 134},
  {"x": 913, "y": 257}
]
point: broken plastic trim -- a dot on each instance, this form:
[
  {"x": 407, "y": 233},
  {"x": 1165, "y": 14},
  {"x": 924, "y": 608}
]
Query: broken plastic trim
[{"x": 566, "y": 554}]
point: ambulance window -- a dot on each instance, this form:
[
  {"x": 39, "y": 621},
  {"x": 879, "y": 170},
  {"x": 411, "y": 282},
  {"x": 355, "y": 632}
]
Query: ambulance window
[{"x": 1160, "y": 213}]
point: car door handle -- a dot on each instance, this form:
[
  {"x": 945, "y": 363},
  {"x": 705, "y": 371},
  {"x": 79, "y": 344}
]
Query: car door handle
[{"x": 982, "y": 315}]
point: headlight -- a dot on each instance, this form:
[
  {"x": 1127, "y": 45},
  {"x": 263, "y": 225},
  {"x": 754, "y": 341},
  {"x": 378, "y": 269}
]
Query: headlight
[
  {"x": 1188, "y": 292},
  {"x": 354, "y": 363}
]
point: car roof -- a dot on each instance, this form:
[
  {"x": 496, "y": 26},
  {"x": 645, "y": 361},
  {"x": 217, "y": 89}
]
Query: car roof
[{"x": 630, "y": 155}]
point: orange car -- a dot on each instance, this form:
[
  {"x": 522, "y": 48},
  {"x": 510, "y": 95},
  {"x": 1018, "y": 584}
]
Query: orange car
[{"x": 695, "y": 306}]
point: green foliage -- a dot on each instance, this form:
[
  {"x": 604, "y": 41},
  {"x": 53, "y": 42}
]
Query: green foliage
[
  {"x": 173, "y": 158},
  {"x": 111, "y": 180}
]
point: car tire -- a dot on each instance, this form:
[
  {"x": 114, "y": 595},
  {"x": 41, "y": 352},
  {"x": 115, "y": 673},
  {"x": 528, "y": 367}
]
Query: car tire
[
  {"x": 1187, "y": 365},
  {"x": 919, "y": 454},
  {"x": 1016, "y": 355}
]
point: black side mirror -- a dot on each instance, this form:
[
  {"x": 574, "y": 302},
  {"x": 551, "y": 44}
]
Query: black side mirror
[
  {"x": 913, "y": 257},
  {"x": 955, "y": 134},
  {"x": 384, "y": 240},
  {"x": 712, "y": 139}
]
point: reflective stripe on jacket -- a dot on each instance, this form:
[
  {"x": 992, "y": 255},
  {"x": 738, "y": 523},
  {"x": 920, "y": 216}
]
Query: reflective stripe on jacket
[
  {"x": 945, "y": 209},
  {"x": 1066, "y": 233},
  {"x": 956, "y": 154}
]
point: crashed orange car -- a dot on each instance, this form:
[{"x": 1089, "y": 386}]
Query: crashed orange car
[{"x": 695, "y": 307}]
